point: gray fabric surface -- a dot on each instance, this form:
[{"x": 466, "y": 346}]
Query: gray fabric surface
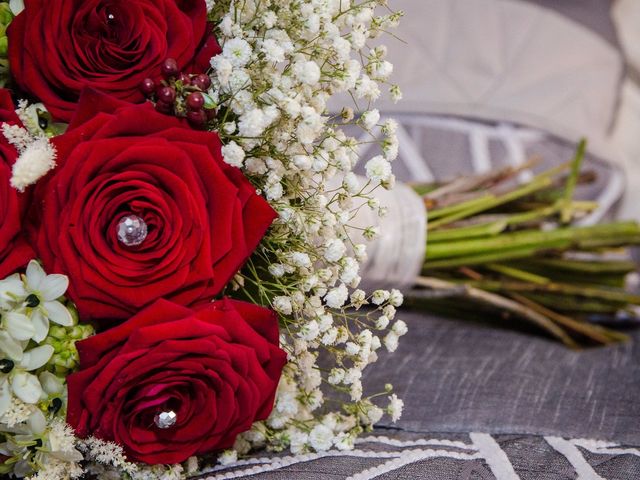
[
  {"x": 457, "y": 376},
  {"x": 526, "y": 457}
]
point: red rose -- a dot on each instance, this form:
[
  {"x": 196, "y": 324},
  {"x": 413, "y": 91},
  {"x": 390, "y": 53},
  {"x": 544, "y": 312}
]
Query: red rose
[
  {"x": 216, "y": 369},
  {"x": 58, "y": 47},
  {"x": 203, "y": 217},
  {"x": 14, "y": 251}
]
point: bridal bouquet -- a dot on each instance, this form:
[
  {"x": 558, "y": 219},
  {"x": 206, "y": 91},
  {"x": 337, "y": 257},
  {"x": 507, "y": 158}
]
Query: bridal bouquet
[{"x": 177, "y": 245}]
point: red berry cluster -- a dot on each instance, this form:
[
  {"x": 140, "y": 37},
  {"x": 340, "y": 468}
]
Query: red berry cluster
[{"x": 180, "y": 94}]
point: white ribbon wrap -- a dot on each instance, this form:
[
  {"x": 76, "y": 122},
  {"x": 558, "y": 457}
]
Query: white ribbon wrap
[{"x": 396, "y": 256}]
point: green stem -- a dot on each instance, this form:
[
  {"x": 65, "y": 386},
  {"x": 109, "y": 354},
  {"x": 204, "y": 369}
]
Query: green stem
[
  {"x": 567, "y": 213},
  {"x": 539, "y": 240}
]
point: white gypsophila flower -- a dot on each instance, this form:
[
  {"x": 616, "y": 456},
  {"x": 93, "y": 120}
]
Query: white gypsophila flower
[
  {"x": 379, "y": 297},
  {"x": 374, "y": 414},
  {"x": 335, "y": 250},
  {"x": 237, "y": 51},
  {"x": 396, "y": 93},
  {"x": 228, "y": 457},
  {"x": 321, "y": 438},
  {"x": 389, "y": 311},
  {"x": 358, "y": 298},
  {"x": 310, "y": 331},
  {"x": 382, "y": 322},
  {"x": 391, "y": 341},
  {"x": 307, "y": 72},
  {"x": 281, "y": 63},
  {"x": 378, "y": 169},
  {"x": 336, "y": 297},
  {"x": 233, "y": 154},
  {"x": 395, "y": 408},
  {"x": 396, "y": 298},
  {"x": 283, "y": 305},
  {"x": 352, "y": 348},
  {"x": 400, "y": 328},
  {"x": 336, "y": 376},
  {"x": 370, "y": 119},
  {"x": 298, "y": 440}
]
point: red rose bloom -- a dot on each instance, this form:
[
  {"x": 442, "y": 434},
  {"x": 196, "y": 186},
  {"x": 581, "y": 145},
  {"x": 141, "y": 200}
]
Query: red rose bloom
[
  {"x": 58, "y": 47},
  {"x": 203, "y": 218},
  {"x": 215, "y": 371},
  {"x": 14, "y": 251}
]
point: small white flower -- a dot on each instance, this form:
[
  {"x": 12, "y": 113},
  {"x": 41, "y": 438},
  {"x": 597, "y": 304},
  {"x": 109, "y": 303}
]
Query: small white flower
[
  {"x": 228, "y": 457},
  {"x": 283, "y": 305},
  {"x": 374, "y": 414},
  {"x": 352, "y": 348},
  {"x": 379, "y": 297},
  {"x": 43, "y": 290},
  {"x": 336, "y": 297},
  {"x": 344, "y": 441},
  {"x": 330, "y": 336},
  {"x": 382, "y": 322},
  {"x": 233, "y": 154},
  {"x": 358, "y": 298},
  {"x": 391, "y": 341},
  {"x": 395, "y": 408},
  {"x": 276, "y": 269},
  {"x": 307, "y": 72},
  {"x": 310, "y": 331},
  {"x": 336, "y": 376},
  {"x": 321, "y": 438},
  {"x": 378, "y": 169},
  {"x": 334, "y": 250},
  {"x": 370, "y": 119},
  {"x": 400, "y": 328},
  {"x": 396, "y": 298},
  {"x": 237, "y": 51}
]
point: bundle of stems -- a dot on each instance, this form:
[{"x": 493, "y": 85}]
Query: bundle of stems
[{"x": 518, "y": 249}]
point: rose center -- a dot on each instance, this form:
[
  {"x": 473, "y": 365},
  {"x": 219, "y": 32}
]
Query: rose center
[{"x": 132, "y": 230}]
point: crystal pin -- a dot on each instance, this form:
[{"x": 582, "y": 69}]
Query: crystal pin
[
  {"x": 132, "y": 230},
  {"x": 164, "y": 420}
]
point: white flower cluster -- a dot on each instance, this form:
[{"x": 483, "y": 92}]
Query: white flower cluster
[
  {"x": 281, "y": 63},
  {"x": 27, "y": 304},
  {"x": 37, "y": 154}
]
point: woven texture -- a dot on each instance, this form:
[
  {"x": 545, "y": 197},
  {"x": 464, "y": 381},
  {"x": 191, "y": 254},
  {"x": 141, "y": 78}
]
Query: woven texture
[
  {"x": 527, "y": 393},
  {"x": 446, "y": 457}
]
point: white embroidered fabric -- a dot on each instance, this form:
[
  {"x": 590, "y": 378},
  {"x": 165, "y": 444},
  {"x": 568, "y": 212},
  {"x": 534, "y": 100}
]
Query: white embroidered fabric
[{"x": 385, "y": 457}]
